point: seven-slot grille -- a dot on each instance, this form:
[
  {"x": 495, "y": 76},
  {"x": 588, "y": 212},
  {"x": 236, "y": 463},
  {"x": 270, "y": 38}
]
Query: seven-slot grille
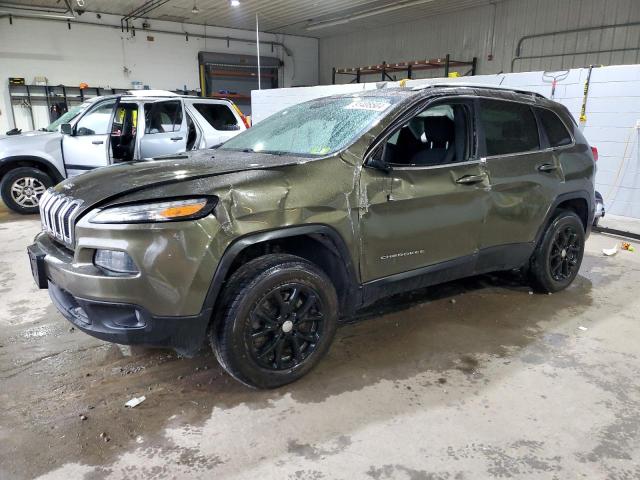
[{"x": 58, "y": 213}]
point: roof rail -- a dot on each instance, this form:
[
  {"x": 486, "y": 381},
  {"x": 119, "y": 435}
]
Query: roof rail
[
  {"x": 487, "y": 86},
  {"x": 151, "y": 93}
]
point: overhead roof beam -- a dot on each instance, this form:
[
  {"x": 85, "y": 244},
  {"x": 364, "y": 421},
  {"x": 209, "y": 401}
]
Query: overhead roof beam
[{"x": 141, "y": 11}]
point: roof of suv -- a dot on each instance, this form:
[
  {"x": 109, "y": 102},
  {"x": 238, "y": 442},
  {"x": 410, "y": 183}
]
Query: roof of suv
[
  {"x": 155, "y": 95},
  {"x": 476, "y": 86},
  {"x": 400, "y": 95},
  {"x": 406, "y": 92}
]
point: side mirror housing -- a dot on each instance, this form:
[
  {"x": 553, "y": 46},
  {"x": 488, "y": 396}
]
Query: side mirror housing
[
  {"x": 376, "y": 160},
  {"x": 66, "y": 129}
]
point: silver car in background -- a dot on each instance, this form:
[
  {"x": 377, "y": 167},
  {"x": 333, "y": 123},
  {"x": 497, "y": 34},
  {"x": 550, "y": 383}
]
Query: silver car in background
[{"x": 111, "y": 129}]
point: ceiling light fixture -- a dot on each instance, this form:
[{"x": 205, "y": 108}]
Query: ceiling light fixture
[
  {"x": 195, "y": 8},
  {"x": 235, "y": 3},
  {"x": 369, "y": 13}
]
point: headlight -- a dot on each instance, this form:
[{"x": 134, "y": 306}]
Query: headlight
[
  {"x": 115, "y": 261},
  {"x": 188, "y": 209}
]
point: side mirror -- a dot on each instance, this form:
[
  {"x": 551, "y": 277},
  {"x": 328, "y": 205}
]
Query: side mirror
[
  {"x": 66, "y": 129},
  {"x": 376, "y": 160}
]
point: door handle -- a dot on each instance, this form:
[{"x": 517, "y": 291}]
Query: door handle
[
  {"x": 471, "y": 179},
  {"x": 547, "y": 167},
  {"x": 175, "y": 139},
  {"x": 98, "y": 142}
]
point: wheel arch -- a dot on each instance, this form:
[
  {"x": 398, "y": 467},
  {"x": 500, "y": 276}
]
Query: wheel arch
[
  {"x": 579, "y": 206},
  {"x": 9, "y": 163},
  {"x": 318, "y": 243},
  {"x": 579, "y": 202}
]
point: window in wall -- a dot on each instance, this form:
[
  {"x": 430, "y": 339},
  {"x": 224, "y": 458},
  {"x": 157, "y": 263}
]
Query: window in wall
[
  {"x": 509, "y": 127},
  {"x": 556, "y": 130}
]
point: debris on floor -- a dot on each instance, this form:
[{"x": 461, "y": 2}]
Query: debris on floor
[
  {"x": 135, "y": 401},
  {"x": 627, "y": 246},
  {"x": 610, "y": 251}
]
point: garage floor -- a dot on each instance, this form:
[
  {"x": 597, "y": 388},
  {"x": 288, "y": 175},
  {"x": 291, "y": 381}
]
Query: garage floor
[{"x": 477, "y": 380}]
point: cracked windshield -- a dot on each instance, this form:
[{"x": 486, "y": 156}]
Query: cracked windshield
[{"x": 315, "y": 128}]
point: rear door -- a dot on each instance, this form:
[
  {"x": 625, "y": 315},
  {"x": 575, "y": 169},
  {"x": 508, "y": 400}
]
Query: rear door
[
  {"x": 524, "y": 174},
  {"x": 87, "y": 147},
  {"x": 165, "y": 128}
]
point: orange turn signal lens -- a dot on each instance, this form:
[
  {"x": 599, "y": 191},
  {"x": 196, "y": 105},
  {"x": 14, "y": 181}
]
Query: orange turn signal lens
[{"x": 182, "y": 210}]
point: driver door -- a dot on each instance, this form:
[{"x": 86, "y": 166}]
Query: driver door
[
  {"x": 87, "y": 146},
  {"x": 424, "y": 215},
  {"x": 165, "y": 129}
]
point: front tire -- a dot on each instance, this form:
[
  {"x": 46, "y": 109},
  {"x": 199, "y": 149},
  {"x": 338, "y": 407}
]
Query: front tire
[
  {"x": 277, "y": 319},
  {"x": 22, "y": 188},
  {"x": 556, "y": 261}
]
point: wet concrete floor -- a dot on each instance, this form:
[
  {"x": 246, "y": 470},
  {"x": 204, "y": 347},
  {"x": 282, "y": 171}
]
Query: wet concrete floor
[{"x": 475, "y": 379}]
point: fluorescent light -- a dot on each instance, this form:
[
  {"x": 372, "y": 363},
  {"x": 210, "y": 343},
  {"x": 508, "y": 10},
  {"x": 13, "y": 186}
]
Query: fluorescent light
[
  {"x": 195, "y": 8},
  {"x": 235, "y": 3},
  {"x": 369, "y": 13}
]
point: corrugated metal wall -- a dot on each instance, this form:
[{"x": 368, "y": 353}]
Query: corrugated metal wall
[{"x": 496, "y": 29}]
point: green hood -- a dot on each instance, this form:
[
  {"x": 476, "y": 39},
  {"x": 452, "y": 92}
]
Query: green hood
[{"x": 104, "y": 184}]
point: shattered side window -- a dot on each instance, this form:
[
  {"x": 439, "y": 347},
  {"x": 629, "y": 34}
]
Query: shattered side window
[{"x": 315, "y": 128}]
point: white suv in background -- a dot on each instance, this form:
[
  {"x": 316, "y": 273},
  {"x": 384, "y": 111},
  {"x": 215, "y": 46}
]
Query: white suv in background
[{"x": 138, "y": 125}]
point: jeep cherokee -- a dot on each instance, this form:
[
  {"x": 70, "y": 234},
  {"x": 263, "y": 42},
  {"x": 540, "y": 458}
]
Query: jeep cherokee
[{"x": 317, "y": 211}]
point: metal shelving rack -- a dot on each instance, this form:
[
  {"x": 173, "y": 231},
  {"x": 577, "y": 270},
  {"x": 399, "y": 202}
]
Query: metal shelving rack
[
  {"x": 48, "y": 95},
  {"x": 385, "y": 69},
  {"x": 41, "y": 95}
]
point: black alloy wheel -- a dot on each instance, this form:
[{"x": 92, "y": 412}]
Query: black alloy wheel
[
  {"x": 557, "y": 258},
  {"x": 565, "y": 253},
  {"x": 276, "y": 320},
  {"x": 287, "y": 325}
]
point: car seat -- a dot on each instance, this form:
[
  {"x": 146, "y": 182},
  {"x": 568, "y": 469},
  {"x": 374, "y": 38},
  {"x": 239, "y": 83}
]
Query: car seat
[{"x": 440, "y": 147}]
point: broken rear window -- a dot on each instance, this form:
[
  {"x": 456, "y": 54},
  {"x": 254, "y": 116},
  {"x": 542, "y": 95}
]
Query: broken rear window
[{"x": 316, "y": 128}]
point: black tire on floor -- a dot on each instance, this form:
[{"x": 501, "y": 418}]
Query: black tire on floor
[
  {"x": 31, "y": 181},
  {"x": 265, "y": 334},
  {"x": 557, "y": 258}
]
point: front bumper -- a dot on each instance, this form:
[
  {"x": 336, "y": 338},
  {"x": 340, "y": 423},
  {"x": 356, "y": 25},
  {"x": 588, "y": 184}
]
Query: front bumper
[
  {"x": 163, "y": 305},
  {"x": 176, "y": 263},
  {"x": 131, "y": 324}
]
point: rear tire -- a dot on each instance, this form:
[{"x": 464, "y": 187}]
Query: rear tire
[
  {"x": 22, "y": 188},
  {"x": 277, "y": 319},
  {"x": 557, "y": 258}
]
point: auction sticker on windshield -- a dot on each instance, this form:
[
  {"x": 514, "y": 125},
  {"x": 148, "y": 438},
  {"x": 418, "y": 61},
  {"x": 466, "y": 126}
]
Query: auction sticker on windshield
[{"x": 373, "y": 105}]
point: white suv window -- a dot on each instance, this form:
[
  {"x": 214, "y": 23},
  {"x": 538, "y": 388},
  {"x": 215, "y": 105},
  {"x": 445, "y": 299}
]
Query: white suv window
[
  {"x": 163, "y": 117},
  {"x": 219, "y": 116},
  {"x": 96, "y": 121}
]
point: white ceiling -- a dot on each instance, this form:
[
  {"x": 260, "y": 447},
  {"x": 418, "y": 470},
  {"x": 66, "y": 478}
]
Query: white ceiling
[{"x": 278, "y": 16}]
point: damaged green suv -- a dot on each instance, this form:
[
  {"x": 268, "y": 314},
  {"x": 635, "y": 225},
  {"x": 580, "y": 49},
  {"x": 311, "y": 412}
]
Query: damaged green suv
[{"x": 262, "y": 245}]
